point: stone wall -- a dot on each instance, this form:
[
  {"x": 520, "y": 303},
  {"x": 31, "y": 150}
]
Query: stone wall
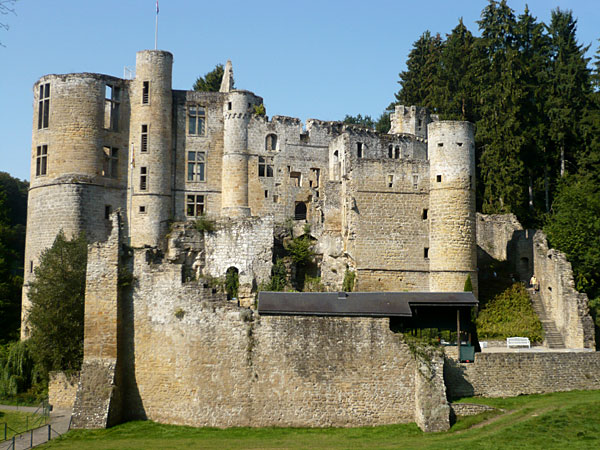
[
  {"x": 567, "y": 307},
  {"x": 511, "y": 374},
  {"x": 62, "y": 389}
]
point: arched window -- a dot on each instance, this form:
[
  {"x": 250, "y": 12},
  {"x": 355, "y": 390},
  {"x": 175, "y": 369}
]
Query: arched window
[
  {"x": 271, "y": 142},
  {"x": 390, "y": 151},
  {"x": 232, "y": 282},
  {"x": 300, "y": 211}
]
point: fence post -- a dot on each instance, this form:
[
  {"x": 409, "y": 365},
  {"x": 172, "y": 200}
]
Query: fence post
[
  {"x": 49, "y": 431},
  {"x": 31, "y": 439},
  {"x": 5, "y": 430}
]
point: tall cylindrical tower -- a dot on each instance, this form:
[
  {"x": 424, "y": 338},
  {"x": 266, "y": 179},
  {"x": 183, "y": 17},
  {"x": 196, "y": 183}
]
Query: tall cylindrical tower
[
  {"x": 452, "y": 251},
  {"x": 151, "y": 127},
  {"x": 236, "y": 114},
  {"x": 78, "y": 162}
]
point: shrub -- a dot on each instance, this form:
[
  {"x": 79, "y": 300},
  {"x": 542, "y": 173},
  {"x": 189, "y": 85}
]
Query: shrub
[
  {"x": 468, "y": 284},
  {"x": 349, "y": 280},
  {"x": 203, "y": 224},
  {"x": 300, "y": 250}
]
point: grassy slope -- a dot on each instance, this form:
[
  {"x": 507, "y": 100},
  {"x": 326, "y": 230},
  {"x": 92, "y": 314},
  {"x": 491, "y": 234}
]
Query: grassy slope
[{"x": 570, "y": 419}]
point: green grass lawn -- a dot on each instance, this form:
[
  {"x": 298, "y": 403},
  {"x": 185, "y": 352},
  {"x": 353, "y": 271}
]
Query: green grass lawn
[
  {"x": 17, "y": 422},
  {"x": 562, "y": 420}
]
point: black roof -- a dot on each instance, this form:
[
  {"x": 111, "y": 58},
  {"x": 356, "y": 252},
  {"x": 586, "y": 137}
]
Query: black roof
[{"x": 370, "y": 304}]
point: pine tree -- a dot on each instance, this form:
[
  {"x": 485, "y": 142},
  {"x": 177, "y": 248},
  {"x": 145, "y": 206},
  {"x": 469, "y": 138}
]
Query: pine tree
[{"x": 211, "y": 81}]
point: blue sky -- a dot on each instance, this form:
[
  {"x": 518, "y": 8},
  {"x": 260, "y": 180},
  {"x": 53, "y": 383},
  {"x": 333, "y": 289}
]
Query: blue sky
[{"x": 309, "y": 59}]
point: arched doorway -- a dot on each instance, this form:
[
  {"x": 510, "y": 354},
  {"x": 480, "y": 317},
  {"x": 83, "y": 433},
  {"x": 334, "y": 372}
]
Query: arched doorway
[{"x": 300, "y": 211}]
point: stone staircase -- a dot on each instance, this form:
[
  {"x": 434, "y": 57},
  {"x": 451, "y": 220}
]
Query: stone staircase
[{"x": 552, "y": 337}]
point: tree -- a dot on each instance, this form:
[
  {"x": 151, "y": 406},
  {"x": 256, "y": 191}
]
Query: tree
[
  {"x": 366, "y": 121},
  {"x": 211, "y": 81},
  {"x": 6, "y": 7},
  {"x": 57, "y": 304}
]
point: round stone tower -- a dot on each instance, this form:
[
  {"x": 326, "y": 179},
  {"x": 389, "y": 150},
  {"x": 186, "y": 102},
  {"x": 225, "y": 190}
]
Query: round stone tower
[
  {"x": 150, "y": 205},
  {"x": 78, "y": 161},
  {"x": 237, "y": 110},
  {"x": 452, "y": 243}
]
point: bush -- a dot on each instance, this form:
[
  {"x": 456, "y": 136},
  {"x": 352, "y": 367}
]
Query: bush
[
  {"x": 468, "y": 284},
  {"x": 509, "y": 314},
  {"x": 349, "y": 279},
  {"x": 300, "y": 250},
  {"x": 203, "y": 224}
]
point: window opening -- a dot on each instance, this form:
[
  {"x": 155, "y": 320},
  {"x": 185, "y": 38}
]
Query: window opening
[
  {"x": 196, "y": 165},
  {"x": 397, "y": 152},
  {"x": 144, "y": 142},
  {"x": 266, "y": 193},
  {"x": 111, "y": 161},
  {"x": 44, "y": 106},
  {"x": 459, "y": 144},
  {"x": 296, "y": 178},
  {"x": 438, "y": 178},
  {"x": 426, "y": 252},
  {"x": 314, "y": 177},
  {"x": 271, "y": 142},
  {"x": 300, "y": 211},
  {"x": 143, "y": 178},
  {"x": 265, "y": 166},
  {"x": 275, "y": 198},
  {"x": 194, "y": 205},
  {"x": 415, "y": 181},
  {"x": 390, "y": 180},
  {"x": 30, "y": 266},
  {"x": 232, "y": 282},
  {"x": 142, "y": 209},
  {"x": 196, "y": 120},
  {"x": 111, "y": 107},
  {"x": 229, "y": 106},
  {"x": 41, "y": 160},
  {"x": 424, "y": 214},
  {"x": 145, "y": 92},
  {"x": 359, "y": 149},
  {"x": 107, "y": 211},
  {"x": 440, "y": 144},
  {"x": 390, "y": 151}
]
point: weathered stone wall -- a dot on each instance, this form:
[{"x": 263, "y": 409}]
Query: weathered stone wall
[
  {"x": 97, "y": 404},
  {"x": 568, "y": 308},
  {"x": 201, "y": 361},
  {"x": 62, "y": 389},
  {"x": 511, "y": 374},
  {"x": 432, "y": 412}
]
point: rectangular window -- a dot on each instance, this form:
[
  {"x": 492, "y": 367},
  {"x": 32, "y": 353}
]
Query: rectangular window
[
  {"x": 41, "y": 160},
  {"x": 194, "y": 205},
  {"x": 111, "y": 162},
  {"x": 111, "y": 107},
  {"x": 426, "y": 252},
  {"x": 144, "y": 142},
  {"x": 145, "y": 92},
  {"x": 415, "y": 181},
  {"x": 424, "y": 214},
  {"x": 196, "y": 120},
  {"x": 390, "y": 180},
  {"x": 438, "y": 178},
  {"x": 296, "y": 178},
  {"x": 195, "y": 166},
  {"x": 107, "y": 211},
  {"x": 143, "y": 178},
  {"x": 265, "y": 166},
  {"x": 44, "y": 106},
  {"x": 359, "y": 149},
  {"x": 142, "y": 209}
]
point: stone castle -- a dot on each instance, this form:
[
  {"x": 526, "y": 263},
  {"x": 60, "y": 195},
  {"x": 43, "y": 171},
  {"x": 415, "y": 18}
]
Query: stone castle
[
  {"x": 398, "y": 209},
  {"x": 134, "y": 164}
]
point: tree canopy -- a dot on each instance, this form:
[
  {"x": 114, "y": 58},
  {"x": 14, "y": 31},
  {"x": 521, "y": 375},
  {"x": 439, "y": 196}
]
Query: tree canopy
[{"x": 211, "y": 81}]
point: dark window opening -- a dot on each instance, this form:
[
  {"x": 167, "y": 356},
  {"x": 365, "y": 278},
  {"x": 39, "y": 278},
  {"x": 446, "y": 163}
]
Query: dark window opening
[
  {"x": 194, "y": 205},
  {"x": 41, "y": 160},
  {"x": 265, "y": 166},
  {"x": 359, "y": 149},
  {"x": 459, "y": 144},
  {"x": 144, "y": 141},
  {"x": 196, "y": 166},
  {"x": 30, "y": 266},
  {"x": 397, "y": 152},
  {"x": 44, "y": 106},
  {"x": 271, "y": 142},
  {"x": 424, "y": 214},
  {"x": 420, "y": 122},
  {"x": 146, "y": 92},
  {"x": 390, "y": 151},
  {"x": 142, "y": 210},
  {"x": 426, "y": 252},
  {"x": 143, "y": 178},
  {"x": 196, "y": 120},
  {"x": 438, "y": 178},
  {"x": 111, "y": 162},
  {"x": 390, "y": 180},
  {"x": 266, "y": 193},
  {"x": 440, "y": 144},
  {"x": 300, "y": 211},
  {"x": 229, "y": 106},
  {"x": 275, "y": 198},
  {"x": 107, "y": 211}
]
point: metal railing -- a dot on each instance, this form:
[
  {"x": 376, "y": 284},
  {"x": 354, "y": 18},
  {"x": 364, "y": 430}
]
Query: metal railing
[
  {"x": 33, "y": 420},
  {"x": 26, "y": 439}
]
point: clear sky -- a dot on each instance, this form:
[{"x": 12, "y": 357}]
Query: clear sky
[{"x": 308, "y": 59}]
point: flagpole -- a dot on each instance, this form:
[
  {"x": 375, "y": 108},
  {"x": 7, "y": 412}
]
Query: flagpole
[{"x": 156, "y": 27}]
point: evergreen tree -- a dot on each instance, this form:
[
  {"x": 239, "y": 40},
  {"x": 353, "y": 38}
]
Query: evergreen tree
[
  {"x": 366, "y": 121},
  {"x": 211, "y": 81},
  {"x": 57, "y": 299},
  {"x": 418, "y": 80}
]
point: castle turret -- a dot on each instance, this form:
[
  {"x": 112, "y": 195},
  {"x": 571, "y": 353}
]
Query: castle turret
[
  {"x": 78, "y": 161},
  {"x": 237, "y": 110},
  {"x": 150, "y": 140},
  {"x": 410, "y": 120},
  {"x": 452, "y": 244}
]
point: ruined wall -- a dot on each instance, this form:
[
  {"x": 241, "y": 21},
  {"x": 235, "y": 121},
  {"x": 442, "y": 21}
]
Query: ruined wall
[
  {"x": 511, "y": 374},
  {"x": 567, "y": 307},
  {"x": 97, "y": 404},
  {"x": 62, "y": 389},
  {"x": 203, "y": 362}
]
